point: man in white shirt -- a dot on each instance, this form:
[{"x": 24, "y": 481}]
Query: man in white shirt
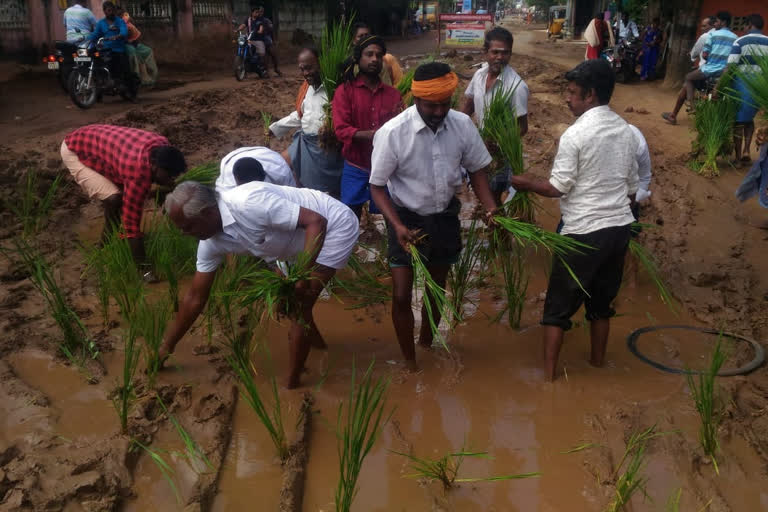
[
  {"x": 270, "y": 222},
  {"x": 418, "y": 156},
  {"x": 244, "y": 165},
  {"x": 707, "y": 27},
  {"x": 496, "y": 74},
  {"x": 643, "y": 157},
  {"x": 595, "y": 176},
  {"x": 316, "y": 167},
  {"x": 627, "y": 27},
  {"x": 79, "y": 22}
]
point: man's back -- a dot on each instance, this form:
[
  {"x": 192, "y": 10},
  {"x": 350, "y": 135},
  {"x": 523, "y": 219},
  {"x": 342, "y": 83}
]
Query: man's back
[
  {"x": 78, "y": 22},
  {"x": 718, "y": 48},
  {"x": 596, "y": 170},
  {"x": 746, "y": 48}
]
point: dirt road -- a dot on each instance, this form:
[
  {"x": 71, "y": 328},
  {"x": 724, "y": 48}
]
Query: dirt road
[{"x": 60, "y": 445}]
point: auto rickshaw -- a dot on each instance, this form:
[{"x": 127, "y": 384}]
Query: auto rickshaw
[{"x": 556, "y": 20}]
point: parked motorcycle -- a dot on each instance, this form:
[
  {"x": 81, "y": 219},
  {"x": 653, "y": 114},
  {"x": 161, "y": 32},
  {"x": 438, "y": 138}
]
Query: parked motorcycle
[
  {"x": 90, "y": 79},
  {"x": 623, "y": 59},
  {"x": 249, "y": 56},
  {"x": 62, "y": 60}
]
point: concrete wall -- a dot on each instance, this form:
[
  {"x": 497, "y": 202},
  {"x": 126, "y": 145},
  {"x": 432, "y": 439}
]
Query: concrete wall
[{"x": 300, "y": 14}]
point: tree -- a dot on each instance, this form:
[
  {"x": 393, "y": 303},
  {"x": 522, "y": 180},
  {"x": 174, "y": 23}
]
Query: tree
[{"x": 685, "y": 19}]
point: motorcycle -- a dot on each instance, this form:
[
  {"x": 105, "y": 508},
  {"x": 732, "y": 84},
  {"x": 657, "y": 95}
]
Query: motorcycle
[
  {"x": 623, "y": 59},
  {"x": 91, "y": 78},
  {"x": 62, "y": 60},
  {"x": 248, "y": 59}
]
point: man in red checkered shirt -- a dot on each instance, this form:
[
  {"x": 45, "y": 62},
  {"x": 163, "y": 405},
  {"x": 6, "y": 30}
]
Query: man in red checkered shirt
[{"x": 118, "y": 165}]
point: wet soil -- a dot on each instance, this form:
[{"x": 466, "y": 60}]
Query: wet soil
[{"x": 60, "y": 443}]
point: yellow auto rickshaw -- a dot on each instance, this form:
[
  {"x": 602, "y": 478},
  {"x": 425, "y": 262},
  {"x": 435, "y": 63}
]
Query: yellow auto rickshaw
[{"x": 556, "y": 21}]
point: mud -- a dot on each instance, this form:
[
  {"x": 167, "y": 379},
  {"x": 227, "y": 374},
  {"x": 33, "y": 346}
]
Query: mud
[{"x": 60, "y": 444}]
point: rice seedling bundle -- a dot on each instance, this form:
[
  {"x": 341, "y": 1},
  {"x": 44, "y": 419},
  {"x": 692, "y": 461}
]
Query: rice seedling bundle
[
  {"x": 404, "y": 87},
  {"x": 446, "y": 469},
  {"x": 709, "y": 403},
  {"x": 171, "y": 253},
  {"x": 239, "y": 359},
  {"x": 150, "y": 321},
  {"x": 462, "y": 278},
  {"x": 755, "y": 80},
  {"x": 266, "y": 120},
  {"x": 510, "y": 262},
  {"x": 713, "y": 121},
  {"x": 364, "y": 287},
  {"x": 122, "y": 277},
  {"x": 204, "y": 173},
  {"x": 76, "y": 343},
  {"x": 648, "y": 263},
  {"x": 358, "y": 430},
  {"x": 33, "y": 208},
  {"x": 335, "y": 44},
  {"x": 433, "y": 294}
]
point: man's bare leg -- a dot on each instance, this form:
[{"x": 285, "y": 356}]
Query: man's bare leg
[
  {"x": 402, "y": 314},
  {"x": 598, "y": 331},
  {"x": 439, "y": 273},
  {"x": 553, "y": 340}
]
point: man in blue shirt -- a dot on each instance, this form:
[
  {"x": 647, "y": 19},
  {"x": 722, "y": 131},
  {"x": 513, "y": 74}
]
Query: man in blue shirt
[
  {"x": 78, "y": 22},
  {"x": 114, "y": 31},
  {"x": 716, "y": 52}
]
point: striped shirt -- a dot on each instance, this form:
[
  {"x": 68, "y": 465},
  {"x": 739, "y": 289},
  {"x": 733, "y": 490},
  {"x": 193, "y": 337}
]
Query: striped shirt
[
  {"x": 78, "y": 22},
  {"x": 718, "y": 48},
  {"x": 746, "y": 48}
]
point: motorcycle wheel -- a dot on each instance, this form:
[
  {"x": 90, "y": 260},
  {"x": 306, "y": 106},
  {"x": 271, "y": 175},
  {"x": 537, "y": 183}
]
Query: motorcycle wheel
[
  {"x": 621, "y": 76},
  {"x": 64, "y": 73},
  {"x": 239, "y": 69},
  {"x": 79, "y": 92}
]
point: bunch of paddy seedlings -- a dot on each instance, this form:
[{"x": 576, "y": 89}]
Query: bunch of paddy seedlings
[
  {"x": 122, "y": 276},
  {"x": 648, "y": 263},
  {"x": 270, "y": 416},
  {"x": 434, "y": 296},
  {"x": 266, "y": 120},
  {"x": 150, "y": 321},
  {"x": 631, "y": 480},
  {"x": 192, "y": 451},
  {"x": 335, "y": 43},
  {"x": 462, "y": 278},
  {"x": 33, "y": 208},
  {"x": 364, "y": 287},
  {"x": 358, "y": 430},
  {"x": 501, "y": 132},
  {"x": 510, "y": 262},
  {"x": 222, "y": 307},
  {"x": 275, "y": 292},
  {"x": 171, "y": 253},
  {"x": 76, "y": 344},
  {"x": 124, "y": 396},
  {"x": 709, "y": 403},
  {"x": 713, "y": 121},
  {"x": 165, "y": 469},
  {"x": 404, "y": 87},
  {"x": 205, "y": 173}
]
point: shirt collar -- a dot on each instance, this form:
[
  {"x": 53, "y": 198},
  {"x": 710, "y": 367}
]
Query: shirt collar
[
  {"x": 593, "y": 112},
  {"x": 359, "y": 82},
  {"x": 419, "y": 124}
]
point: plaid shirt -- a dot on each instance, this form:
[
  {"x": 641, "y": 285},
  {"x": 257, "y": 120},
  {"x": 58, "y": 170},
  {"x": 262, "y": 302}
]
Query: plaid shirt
[{"x": 121, "y": 155}]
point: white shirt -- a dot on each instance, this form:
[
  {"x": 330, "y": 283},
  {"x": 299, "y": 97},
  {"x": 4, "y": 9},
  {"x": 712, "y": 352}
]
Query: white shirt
[
  {"x": 696, "y": 50},
  {"x": 421, "y": 168},
  {"x": 508, "y": 79},
  {"x": 629, "y": 28},
  {"x": 596, "y": 170},
  {"x": 262, "y": 219},
  {"x": 313, "y": 115},
  {"x": 275, "y": 167},
  {"x": 643, "y": 157}
]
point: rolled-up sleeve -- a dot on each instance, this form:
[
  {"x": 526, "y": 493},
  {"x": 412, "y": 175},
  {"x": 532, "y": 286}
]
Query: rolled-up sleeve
[
  {"x": 476, "y": 155},
  {"x": 383, "y": 158},
  {"x": 566, "y": 166},
  {"x": 343, "y": 122},
  {"x": 285, "y": 125},
  {"x": 520, "y": 99},
  {"x": 209, "y": 256}
]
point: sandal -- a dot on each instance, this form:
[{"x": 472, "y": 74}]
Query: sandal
[{"x": 669, "y": 117}]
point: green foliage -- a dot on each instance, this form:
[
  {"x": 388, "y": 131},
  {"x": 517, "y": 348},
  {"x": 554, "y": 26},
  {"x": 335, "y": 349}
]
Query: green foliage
[
  {"x": 124, "y": 396},
  {"x": 446, "y": 469},
  {"x": 165, "y": 469},
  {"x": 673, "y": 503},
  {"x": 171, "y": 253},
  {"x": 357, "y": 431},
  {"x": 96, "y": 266},
  {"x": 709, "y": 403},
  {"x": 76, "y": 343},
  {"x": 121, "y": 276},
  {"x": 755, "y": 81},
  {"x": 462, "y": 278},
  {"x": 149, "y": 322},
  {"x": 204, "y": 173},
  {"x": 433, "y": 294},
  {"x": 646, "y": 260},
  {"x": 713, "y": 121},
  {"x": 335, "y": 44},
  {"x": 364, "y": 287},
  {"x": 510, "y": 262},
  {"x": 192, "y": 451},
  {"x": 266, "y": 120},
  {"x": 33, "y": 208}
]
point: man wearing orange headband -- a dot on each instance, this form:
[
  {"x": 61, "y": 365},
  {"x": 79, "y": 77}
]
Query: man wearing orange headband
[{"x": 419, "y": 156}]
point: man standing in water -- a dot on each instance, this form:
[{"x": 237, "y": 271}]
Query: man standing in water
[
  {"x": 419, "y": 156},
  {"x": 497, "y": 75},
  {"x": 595, "y": 176}
]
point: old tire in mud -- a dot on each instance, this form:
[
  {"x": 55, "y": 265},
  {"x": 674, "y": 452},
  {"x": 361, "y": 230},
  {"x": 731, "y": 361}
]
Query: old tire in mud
[
  {"x": 79, "y": 92},
  {"x": 239, "y": 69},
  {"x": 750, "y": 366}
]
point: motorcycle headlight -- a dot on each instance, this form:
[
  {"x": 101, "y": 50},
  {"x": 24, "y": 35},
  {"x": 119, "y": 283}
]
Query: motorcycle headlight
[{"x": 82, "y": 52}]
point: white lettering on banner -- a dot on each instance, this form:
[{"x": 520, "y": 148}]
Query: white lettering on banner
[{"x": 461, "y": 34}]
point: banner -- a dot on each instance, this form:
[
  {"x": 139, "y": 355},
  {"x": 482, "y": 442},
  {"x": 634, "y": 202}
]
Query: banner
[
  {"x": 463, "y": 34},
  {"x": 466, "y": 7}
]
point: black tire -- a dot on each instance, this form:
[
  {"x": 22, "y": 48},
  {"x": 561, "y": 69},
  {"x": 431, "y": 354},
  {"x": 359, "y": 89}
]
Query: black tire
[
  {"x": 239, "y": 69},
  {"x": 79, "y": 93},
  {"x": 621, "y": 76},
  {"x": 64, "y": 74}
]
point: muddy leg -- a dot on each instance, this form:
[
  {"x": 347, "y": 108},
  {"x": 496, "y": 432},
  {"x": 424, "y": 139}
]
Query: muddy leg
[
  {"x": 553, "y": 340},
  {"x": 402, "y": 314},
  {"x": 439, "y": 273},
  {"x": 598, "y": 331}
]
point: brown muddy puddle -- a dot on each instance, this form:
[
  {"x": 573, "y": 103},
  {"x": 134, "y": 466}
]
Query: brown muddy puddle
[{"x": 487, "y": 394}]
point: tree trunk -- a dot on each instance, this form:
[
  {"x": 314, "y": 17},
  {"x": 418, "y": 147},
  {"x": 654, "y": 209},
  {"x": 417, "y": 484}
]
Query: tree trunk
[{"x": 681, "y": 40}]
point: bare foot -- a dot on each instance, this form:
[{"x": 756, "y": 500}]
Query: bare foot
[{"x": 411, "y": 366}]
